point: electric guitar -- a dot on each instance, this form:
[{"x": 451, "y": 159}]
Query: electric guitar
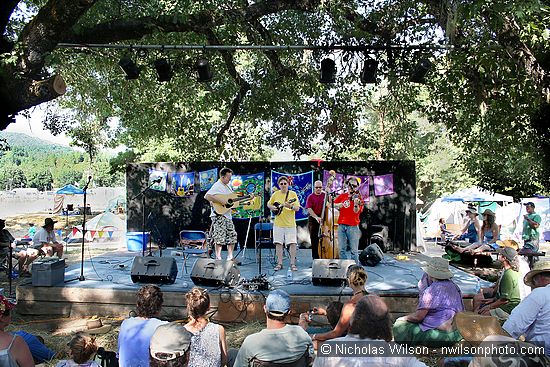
[
  {"x": 233, "y": 200},
  {"x": 279, "y": 207}
]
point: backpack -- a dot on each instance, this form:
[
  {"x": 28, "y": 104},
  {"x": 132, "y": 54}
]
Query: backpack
[{"x": 107, "y": 358}]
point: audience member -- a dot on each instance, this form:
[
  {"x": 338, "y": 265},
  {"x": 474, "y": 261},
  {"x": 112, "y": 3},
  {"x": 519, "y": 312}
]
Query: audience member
[
  {"x": 40, "y": 352},
  {"x": 370, "y": 322},
  {"x": 357, "y": 278},
  {"x": 169, "y": 346},
  {"x": 444, "y": 232},
  {"x": 135, "y": 333},
  {"x": 439, "y": 300},
  {"x": 208, "y": 344},
  {"x": 494, "y": 344},
  {"x": 531, "y": 224},
  {"x": 471, "y": 230},
  {"x": 31, "y": 231},
  {"x": 500, "y": 299},
  {"x": 24, "y": 257},
  {"x": 14, "y": 352},
  {"x": 278, "y": 342},
  {"x": 82, "y": 348},
  {"x": 45, "y": 240},
  {"x": 531, "y": 318},
  {"x": 490, "y": 234}
]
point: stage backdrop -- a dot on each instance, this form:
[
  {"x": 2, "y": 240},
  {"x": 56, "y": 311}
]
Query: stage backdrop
[{"x": 177, "y": 201}]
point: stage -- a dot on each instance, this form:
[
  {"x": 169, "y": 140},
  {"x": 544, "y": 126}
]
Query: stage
[{"x": 109, "y": 291}]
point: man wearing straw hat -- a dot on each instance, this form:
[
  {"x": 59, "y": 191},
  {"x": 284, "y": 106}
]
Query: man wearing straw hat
[
  {"x": 531, "y": 318},
  {"x": 46, "y": 241},
  {"x": 439, "y": 300}
]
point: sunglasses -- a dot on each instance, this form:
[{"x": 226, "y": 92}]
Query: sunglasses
[
  {"x": 283, "y": 183},
  {"x": 318, "y": 187}
]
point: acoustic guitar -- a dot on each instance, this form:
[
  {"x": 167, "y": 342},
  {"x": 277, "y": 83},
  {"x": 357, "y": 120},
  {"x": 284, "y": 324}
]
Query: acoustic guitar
[
  {"x": 280, "y": 207},
  {"x": 233, "y": 200}
]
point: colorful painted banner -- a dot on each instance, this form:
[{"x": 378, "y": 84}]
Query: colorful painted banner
[
  {"x": 249, "y": 184},
  {"x": 383, "y": 185},
  {"x": 207, "y": 179},
  {"x": 301, "y": 184},
  {"x": 154, "y": 175},
  {"x": 183, "y": 184},
  {"x": 364, "y": 187},
  {"x": 336, "y": 180}
]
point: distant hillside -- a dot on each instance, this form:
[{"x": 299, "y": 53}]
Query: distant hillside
[{"x": 25, "y": 141}]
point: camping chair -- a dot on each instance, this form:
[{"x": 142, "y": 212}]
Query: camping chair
[
  {"x": 303, "y": 361},
  {"x": 193, "y": 243}
]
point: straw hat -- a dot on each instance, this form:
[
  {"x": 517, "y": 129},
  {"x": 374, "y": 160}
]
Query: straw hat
[
  {"x": 471, "y": 210},
  {"x": 488, "y": 212},
  {"x": 508, "y": 243},
  {"x": 438, "y": 268},
  {"x": 542, "y": 266},
  {"x": 95, "y": 326},
  {"x": 474, "y": 327}
]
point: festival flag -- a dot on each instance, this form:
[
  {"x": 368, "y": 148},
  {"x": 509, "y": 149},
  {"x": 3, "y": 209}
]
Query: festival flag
[
  {"x": 59, "y": 232},
  {"x": 336, "y": 180},
  {"x": 301, "y": 184},
  {"x": 100, "y": 234},
  {"x": 383, "y": 185},
  {"x": 92, "y": 233},
  {"x": 207, "y": 179},
  {"x": 249, "y": 184},
  {"x": 154, "y": 175},
  {"x": 75, "y": 230},
  {"x": 183, "y": 184},
  {"x": 110, "y": 233}
]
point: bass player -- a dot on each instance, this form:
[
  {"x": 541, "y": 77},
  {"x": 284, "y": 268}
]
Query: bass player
[
  {"x": 315, "y": 205},
  {"x": 284, "y": 204}
]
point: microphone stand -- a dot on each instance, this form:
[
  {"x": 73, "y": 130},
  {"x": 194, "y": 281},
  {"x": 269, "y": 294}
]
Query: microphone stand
[
  {"x": 81, "y": 277},
  {"x": 142, "y": 193}
]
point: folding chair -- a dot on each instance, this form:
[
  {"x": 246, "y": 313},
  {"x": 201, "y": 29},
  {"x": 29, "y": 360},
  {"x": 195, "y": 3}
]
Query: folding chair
[{"x": 193, "y": 243}]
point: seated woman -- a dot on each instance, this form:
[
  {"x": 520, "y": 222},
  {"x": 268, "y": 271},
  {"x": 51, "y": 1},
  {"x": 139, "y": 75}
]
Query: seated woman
[
  {"x": 82, "y": 349},
  {"x": 471, "y": 231},
  {"x": 439, "y": 299},
  {"x": 357, "y": 278},
  {"x": 208, "y": 343},
  {"x": 13, "y": 349},
  {"x": 500, "y": 299},
  {"x": 490, "y": 232}
]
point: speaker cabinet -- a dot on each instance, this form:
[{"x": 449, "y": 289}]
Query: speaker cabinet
[
  {"x": 331, "y": 272},
  {"x": 215, "y": 273},
  {"x": 157, "y": 270}
]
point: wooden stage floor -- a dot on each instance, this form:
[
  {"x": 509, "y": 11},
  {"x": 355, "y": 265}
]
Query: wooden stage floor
[{"x": 109, "y": 291}]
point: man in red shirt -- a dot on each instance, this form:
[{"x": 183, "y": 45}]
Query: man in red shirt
[
  {"x": 314, "y": 205},
  {"x": 350, "y": 205}
]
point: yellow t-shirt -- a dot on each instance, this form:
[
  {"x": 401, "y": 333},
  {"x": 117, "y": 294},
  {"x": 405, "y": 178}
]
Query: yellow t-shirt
[{"x": 288, "y": 216}]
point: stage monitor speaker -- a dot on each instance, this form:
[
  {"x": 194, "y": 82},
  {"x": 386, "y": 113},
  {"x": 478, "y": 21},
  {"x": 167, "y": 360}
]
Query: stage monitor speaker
[
  {"x": 331, "y": 272},
  {"x": 156, "y": 270},
  {"x": 215, "y": 273}
]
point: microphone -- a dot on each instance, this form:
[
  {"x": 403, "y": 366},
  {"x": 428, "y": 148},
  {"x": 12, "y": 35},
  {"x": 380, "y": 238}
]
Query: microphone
[{"x": 87, "y": 183}]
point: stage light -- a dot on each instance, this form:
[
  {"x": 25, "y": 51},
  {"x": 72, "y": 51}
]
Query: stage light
[
  {"x": 129, "y": 67},
  {"x": 328, "y": 71},
  {"x": 204, "y": 73},
  {"x": 368, "y": 74},
  {"x": 164, "y": 70},
  {"x": 421, "y": 69}
]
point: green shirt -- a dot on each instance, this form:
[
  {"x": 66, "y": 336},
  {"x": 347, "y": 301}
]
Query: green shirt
[
  {"x": 509, "y": 289},
  {"x": 530, "y": 233}
]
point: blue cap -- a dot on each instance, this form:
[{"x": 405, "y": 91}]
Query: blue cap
[{"x": 278, "y": 303}]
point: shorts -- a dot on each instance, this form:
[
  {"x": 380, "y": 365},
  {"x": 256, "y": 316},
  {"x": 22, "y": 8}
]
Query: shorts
[
  {"x": 223, "y": 231},
  {"x": 284, "y": 235}
]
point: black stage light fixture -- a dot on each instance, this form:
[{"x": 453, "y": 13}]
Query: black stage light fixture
[
  {"x": 419, "y": 72},
  {"x": 129, "y": 67},
  {"x": 204, "y": 73},
  {"x": 368, "y": 74},
  {"x": 164, "y": 70},
  {"x": 328, "y": 71}
]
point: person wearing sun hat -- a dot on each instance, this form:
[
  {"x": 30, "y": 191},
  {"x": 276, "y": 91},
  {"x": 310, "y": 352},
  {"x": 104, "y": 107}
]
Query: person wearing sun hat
[
  {"x": 531, "y": 224},
  {"x": 439, "y": 299},
  {"x": 24, "y": 257},
  {"x": 45, "y": 239},
  {"x": 471, "y": 230},
  {"x": 531, "y": 318},
  {"x": 278, "y": 342},
  {"x": 14, "y": 352}
]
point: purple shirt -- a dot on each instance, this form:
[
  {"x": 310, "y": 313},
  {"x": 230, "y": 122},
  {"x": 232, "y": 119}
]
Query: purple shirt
[
  {"x": 315, "y": 202},
  {"x": 443, "y": 300}
]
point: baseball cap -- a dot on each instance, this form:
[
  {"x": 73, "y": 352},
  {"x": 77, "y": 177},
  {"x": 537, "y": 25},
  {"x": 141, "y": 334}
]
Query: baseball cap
[
  {"x": 169, "y": 341},
  {"x": 529, "y": 203},
  {"x": 278, "y": 303},
  {"x": 509, "y": 253},
  {"x": 5, "y": 304}
]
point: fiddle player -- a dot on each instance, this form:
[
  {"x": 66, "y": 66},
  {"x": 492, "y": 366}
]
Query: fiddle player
[
  {"x": 315, "y": 205},
  {"x": 284, "y": 203},
  {"x": 350, "y": 205}
]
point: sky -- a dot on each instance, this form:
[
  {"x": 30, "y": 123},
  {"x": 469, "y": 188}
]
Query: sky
[{"x": 33, "y": 127}]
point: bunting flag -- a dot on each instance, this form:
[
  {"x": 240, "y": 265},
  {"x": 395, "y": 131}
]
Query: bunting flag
[
  {"x": 155, "y": 175},
  {"x": 332, "y": 181},
  {"x": 207, "y": 179},
  {"x": 383, "y": 185},
  {"x": 183, "y": 184},
  {"x": 59, "y": 232},
  {"x": 92, "y": 233},
  {"x": 110, "y": 233},
  {"x": 75, "y": 230},
  {"x": 100, "y": 234},
  {"x": 249, "y": 184},
  {"x": 301, "y": 184},
  {"x": 364, "y": 187}
]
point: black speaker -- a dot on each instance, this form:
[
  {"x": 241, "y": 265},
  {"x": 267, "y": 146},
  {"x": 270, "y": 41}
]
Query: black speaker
[
  {"x": 215, "y": 273},
  {"x": 151, "y": 269},
  {"x": 331, "y": 272},
  {"x": 371, "y": 256}
]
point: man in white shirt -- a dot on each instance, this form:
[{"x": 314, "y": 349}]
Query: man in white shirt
[
  {"x": 531, "y": 317},
  {"x": 223, "y": 229},
  {"x": 44, "y": 239}
]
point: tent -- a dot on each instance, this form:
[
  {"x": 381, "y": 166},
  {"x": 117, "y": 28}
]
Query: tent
[
  {"x": 69, "y": 190},
  {"x": 104, "y": 225},
  {"x": 477, "y": 194},
  {"x": 452, "y": 211}
]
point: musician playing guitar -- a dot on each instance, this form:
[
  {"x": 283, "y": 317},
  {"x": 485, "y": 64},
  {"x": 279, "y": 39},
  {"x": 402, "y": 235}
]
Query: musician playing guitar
[
  {"x": 350, "y": 204},
  {"x": 315, "y": 205},
  {"x": 223, "y": 229},
  {"x": 284, "y": 203}
]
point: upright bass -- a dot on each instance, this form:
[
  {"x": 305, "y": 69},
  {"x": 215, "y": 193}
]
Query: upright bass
[{"x": 328, "y": 226}]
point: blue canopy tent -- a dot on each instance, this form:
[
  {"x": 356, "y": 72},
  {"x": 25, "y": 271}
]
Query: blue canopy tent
[{"x": 66, "y": 190}]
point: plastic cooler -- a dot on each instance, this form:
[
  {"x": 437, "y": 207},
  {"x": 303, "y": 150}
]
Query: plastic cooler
[{"x": 136, "y": 241}]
